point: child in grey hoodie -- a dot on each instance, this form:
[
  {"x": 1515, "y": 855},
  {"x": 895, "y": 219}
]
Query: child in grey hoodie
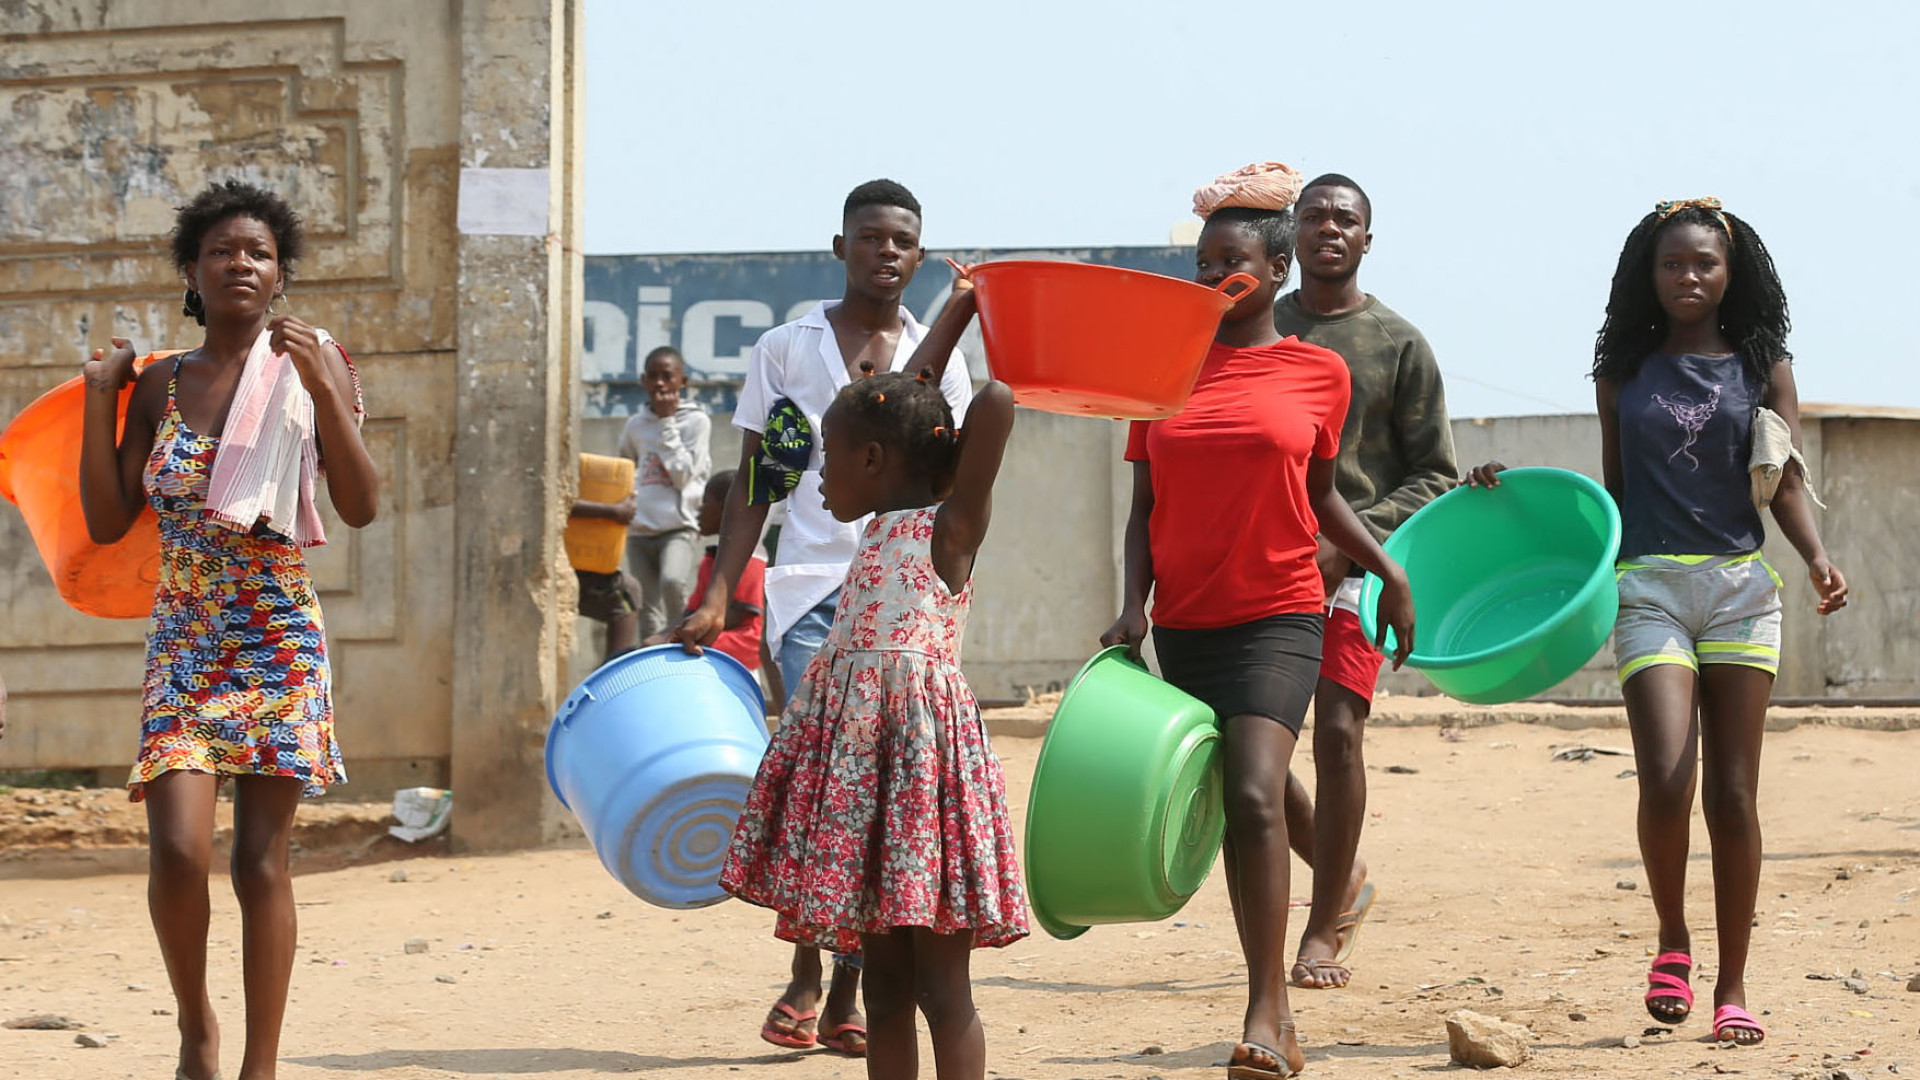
[{"x": 667, "y": 442}]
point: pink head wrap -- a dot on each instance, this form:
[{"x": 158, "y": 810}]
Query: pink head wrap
[{"x": 1266, "y": 185}]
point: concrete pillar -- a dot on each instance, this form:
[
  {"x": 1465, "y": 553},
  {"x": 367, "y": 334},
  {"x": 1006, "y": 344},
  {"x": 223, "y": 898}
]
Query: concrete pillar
[{"x": 519, "y": 320}]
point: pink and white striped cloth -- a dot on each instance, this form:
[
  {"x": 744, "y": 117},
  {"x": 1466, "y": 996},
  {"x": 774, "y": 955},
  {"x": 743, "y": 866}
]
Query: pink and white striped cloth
[{"x": 268, "y": 463}]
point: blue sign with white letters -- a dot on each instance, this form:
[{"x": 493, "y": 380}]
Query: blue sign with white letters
[{"x": 712, "y": 308}]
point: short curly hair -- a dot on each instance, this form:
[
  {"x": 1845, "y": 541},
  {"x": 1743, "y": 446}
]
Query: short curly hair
[{"x": 237, "y": 198}]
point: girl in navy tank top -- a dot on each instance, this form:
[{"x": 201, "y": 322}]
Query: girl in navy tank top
[{"x": 1694, "y": 342}]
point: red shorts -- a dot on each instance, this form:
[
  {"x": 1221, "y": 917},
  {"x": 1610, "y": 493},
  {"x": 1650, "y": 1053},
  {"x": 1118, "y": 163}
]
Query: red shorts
[{"x": 1347, "y": 657}]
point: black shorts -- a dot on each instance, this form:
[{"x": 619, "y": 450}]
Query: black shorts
[
  {"x": 1267, "y": 667},
  {"x": 604, "y": 597}
]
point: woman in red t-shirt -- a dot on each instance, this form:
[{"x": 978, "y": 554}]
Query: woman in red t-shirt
[{"x": 1228, "y": 497}]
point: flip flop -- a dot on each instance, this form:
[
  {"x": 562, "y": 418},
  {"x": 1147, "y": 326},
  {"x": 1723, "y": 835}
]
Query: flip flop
[
  {"x": 1245, "y": 1071},
  {"x": 1349, "y": 922},
  {"x": 792, "y": 1040},
  {"x": 1729, "y": 1018},
  {"x": 1314, "y": 965},
  {"x": 841, "y": 1040},
  {"x": 1662, "y": 986}
]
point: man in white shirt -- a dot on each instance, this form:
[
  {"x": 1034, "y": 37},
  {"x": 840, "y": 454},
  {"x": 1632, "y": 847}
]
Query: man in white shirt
[{"x": 800, "y": 366}]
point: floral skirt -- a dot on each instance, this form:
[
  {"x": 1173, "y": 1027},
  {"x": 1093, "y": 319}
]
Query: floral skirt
[{"x": 880, "y": 805}]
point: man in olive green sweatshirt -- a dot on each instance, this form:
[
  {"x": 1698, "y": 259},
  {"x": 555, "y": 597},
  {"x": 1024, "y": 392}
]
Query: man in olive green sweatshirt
[{"x": 1396, "y": 455}]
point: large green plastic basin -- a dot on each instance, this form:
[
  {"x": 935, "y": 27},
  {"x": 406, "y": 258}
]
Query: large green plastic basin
[
  {"x": 1124, "y": 818},
  {"x": 1513, "y": 586}
]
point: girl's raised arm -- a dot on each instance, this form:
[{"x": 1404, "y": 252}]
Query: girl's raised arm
[
  {"x": 931, "y": 355},
  {"x": 961, "y": 524}
]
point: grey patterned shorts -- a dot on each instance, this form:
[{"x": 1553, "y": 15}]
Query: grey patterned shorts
[{"x": 1693, "y": 610}]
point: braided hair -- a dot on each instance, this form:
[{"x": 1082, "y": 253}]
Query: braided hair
[
  {"x": 907, "y": 413},
  {"x": 1753, "y": 314}
]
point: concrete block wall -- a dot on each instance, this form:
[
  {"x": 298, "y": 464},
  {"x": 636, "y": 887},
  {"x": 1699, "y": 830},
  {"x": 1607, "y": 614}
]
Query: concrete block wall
[{"x": 1049, "y": 578}]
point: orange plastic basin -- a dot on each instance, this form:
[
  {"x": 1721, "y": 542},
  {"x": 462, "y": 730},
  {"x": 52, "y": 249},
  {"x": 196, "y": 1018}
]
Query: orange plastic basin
[
  {"x": 1098, "y": 340},
  {"x": 40, "y": 473}
]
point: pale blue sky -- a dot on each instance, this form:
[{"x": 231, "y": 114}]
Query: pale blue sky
[{"x": 1508, "y": 148}]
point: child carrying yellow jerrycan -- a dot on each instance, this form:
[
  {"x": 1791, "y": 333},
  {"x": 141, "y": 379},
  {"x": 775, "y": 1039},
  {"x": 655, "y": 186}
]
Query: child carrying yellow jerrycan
[{"x": 595, "y": 545}]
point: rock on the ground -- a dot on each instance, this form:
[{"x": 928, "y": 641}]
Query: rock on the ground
[
  {"x": 1856, "y": 984},
  {"x": 1913, "y": 984},
  {"x": 91, "y": 1041},
  {"x": 1625, "y": 885},
  {"x": 1631, "y": 1042},
  {"x": 416, "y": 945},
  {"x": 1486, "y": 1042}
]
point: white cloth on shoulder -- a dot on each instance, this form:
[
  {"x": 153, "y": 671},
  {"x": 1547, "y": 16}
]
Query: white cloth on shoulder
[
  {"x": 1772, "y": 449},
  {"x": 268, "y": 462}
]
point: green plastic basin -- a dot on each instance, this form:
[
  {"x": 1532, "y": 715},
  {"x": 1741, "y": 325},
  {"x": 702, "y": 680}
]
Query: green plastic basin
[
  {"x": 1513, "y": 587},
  {"x": 1124, "y": 818}
]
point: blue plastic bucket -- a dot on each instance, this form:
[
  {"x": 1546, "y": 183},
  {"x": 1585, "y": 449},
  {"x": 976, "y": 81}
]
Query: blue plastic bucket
[{"x": 654, "y": 753}]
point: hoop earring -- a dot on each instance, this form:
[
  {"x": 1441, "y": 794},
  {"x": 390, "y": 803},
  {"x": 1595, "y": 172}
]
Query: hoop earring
[
  {"x": 286, "y": 306},
  {"x": 192, "y": 306}
]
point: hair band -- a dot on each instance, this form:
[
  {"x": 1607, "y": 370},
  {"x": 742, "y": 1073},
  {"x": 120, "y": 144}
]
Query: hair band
[{"x": 1710, "y": 204}]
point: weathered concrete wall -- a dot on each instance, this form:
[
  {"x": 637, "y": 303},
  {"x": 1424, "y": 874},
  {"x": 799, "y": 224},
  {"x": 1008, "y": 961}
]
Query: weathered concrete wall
[
  {"x": 519, "y": 334},
  {"x": 361, "y": 113},
  {"x": 116, "y": 113},
  {"x": 1049, "y": 579}
]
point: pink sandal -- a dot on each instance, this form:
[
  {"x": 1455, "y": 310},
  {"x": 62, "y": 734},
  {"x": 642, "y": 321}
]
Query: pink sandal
[
  {"x": 1662, "y": 986},
  {"x": 1731, "y": 1018},
  {"x": 849, "y": 1039},
  {"x": 800, "y": 1036}
]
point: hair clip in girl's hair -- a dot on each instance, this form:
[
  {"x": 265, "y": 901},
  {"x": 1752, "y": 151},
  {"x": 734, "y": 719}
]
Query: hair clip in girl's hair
[
  {"x": 881, "y": 397},
  {"x": 926, "y": 374},
  {"x": 939, "y": 431},
  {"x": 866, "y": 367}
]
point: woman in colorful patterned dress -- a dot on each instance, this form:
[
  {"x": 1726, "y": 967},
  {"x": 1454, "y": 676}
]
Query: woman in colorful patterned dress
[
  {"x": 237, "y": 684},
  {"x": 878, "y": 821}
]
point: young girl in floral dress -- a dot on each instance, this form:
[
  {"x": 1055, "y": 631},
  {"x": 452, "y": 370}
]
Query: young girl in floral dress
[{"x": 878, "y": 821}]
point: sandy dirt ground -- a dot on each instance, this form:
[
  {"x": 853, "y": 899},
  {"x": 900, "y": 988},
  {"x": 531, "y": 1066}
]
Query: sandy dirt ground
[{"x": 1501, "y": 874}]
